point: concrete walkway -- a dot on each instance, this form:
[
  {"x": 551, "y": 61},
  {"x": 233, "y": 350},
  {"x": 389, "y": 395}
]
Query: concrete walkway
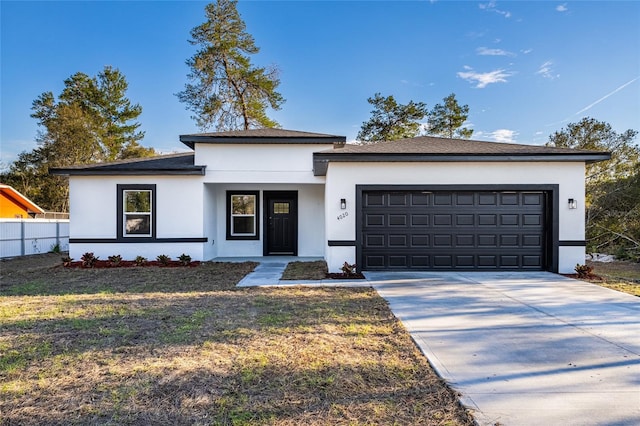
[{"x": 521, "y": 348}]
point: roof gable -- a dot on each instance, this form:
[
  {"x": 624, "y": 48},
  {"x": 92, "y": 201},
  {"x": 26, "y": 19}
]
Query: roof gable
[{"x": 17, "y": 198}]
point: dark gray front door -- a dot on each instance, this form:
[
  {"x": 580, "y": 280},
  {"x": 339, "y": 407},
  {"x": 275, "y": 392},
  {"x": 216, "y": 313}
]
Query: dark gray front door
[
  {"x": 452, "y": 230},
  {"x": 281, "y": 232}
]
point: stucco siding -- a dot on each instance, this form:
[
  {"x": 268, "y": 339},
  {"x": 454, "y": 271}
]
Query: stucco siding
[
  {"x": 94, "y": 211},
  {"x": 259, "y": 163}
]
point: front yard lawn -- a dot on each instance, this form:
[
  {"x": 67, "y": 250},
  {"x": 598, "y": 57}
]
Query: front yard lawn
[
  {"x": 619, "y": 275},
  {"x": 183, "y": 346}
]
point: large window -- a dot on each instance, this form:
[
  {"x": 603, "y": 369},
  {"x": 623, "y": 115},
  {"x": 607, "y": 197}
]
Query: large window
[
  {"x": 242, "y": 215},
  {"x": 136, "y": 211}
]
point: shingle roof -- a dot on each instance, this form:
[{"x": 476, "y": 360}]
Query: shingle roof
[
  {"x": 428, "y": 148},
  {"x": 434, "y": 145},
  {"x": 173, "y": 164},
  {"x": 261, "y": 136}
]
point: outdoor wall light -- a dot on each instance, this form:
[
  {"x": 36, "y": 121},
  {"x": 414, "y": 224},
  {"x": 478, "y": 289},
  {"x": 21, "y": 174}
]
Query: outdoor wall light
[
  {"x": 343, "y": 203},
  {"x": 573, "y": 203}
]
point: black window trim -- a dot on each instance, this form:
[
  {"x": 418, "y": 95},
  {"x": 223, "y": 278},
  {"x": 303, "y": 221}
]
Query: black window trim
[
  {"x": 230, "y": 237},
  {"x": 121, "y": 188}
]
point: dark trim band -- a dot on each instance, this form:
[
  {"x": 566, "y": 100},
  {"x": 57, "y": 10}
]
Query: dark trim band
[
  {"x": 572, "y": 243},
  {"x": 137, "y": 240},
  {"x": 341, "y": 243}
]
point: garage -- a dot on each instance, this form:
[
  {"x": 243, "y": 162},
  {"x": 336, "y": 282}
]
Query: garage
[{"x": 459, "y": 229}]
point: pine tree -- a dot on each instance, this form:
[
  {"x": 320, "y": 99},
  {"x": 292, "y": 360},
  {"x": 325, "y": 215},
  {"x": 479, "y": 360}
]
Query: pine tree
[{"x": 225, "y": 89}]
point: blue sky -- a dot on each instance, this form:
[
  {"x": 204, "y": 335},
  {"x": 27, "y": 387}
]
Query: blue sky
[{"x": 526, "y": 69}]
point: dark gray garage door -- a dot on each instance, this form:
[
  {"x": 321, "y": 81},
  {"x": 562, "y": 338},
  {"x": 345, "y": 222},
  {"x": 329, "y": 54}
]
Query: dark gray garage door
[{"x": 449, "y": 230}]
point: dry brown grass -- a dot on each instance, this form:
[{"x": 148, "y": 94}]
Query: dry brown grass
[
  {"x": 81, "y": 347},
  {"x": 618, "y": 275},
  {"x": 315, "y": 270}
]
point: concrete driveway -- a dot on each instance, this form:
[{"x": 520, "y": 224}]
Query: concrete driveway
[{"x": 525, "y": 348}]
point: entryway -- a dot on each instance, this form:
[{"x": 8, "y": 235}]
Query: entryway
[{"x": 281, "y": 223}]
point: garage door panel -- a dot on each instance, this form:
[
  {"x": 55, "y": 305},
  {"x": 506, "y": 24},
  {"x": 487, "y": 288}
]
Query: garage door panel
[
  {"x": 509, "y": 219},
  {"x": 375, "y": 240},
  {"x": 465, "y": 240},
  {"x": 532, "y": 240},
  {"x": 374, "y": 220},
  {"x": 531, "y": 219},
  {"x": 532, "y": 199},
  {"x": 442, "y": 199},
  {"x": 464, "y": 199},
  {"x": 465, "y": 261},
  {"x": 442, "y": 220},
  {"x": 398, "y": 220},
  {"x": 419, "y": 199},
  {"x": 487, "y": 220},
  {"x": 420, "y": 240},
  {"x": 465, "y": 220},
  {"x": 443, "y": 261},
  {"x": 420, "y": 220},
  {"x": 509, "y": 199},
  {"x": 398, "y": 241},
  {"x": 488, "y": 199},
  {"x": 421, "y": 261},
  {"x": 453, "y": 230}
]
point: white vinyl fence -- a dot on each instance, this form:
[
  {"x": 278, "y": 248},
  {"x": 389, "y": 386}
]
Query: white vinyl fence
[{"x": 21, "y": 237}]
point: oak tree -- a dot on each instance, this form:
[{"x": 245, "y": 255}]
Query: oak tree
[
  {"x": 91, "y": 121},
  {"x": 612, "y": 187}
]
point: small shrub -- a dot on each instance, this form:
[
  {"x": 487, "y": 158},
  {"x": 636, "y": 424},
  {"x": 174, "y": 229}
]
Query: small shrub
[
  {"x": 55, "y": 248},
  {"x": 88, "y": 260},
  {"x": 349, "y": 270},
  {"x": 66, "y": 261},
  {"x": 184, "y": 259},
  {"x": 115, "y": 260},
  {"x": 583, "y": 271},
  {"x": 140, "y": 260},
  {"x": 163, "y": 259}
]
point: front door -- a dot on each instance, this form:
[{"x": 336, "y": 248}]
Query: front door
[{"x": 281, "y": 219}]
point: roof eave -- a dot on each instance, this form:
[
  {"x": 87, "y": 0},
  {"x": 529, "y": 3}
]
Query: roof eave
[
  {"x": 196, "y": 171},
  {"x": 321, "y": 160},
  {"x": 191, "y": 140}
]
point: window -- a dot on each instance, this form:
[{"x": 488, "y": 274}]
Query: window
[
  {"x": 242, "y": 218},
  {"x": 136, "y": 211}
]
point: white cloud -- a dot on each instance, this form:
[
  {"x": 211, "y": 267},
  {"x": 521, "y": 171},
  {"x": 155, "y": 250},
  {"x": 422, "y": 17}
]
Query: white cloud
[
  {"x": 546, "y": 70},
  {"x": 491, "y": 7},
  {"x": 485, "y": 51},
  {"x": 526, "y": 51},
  {"x": 503, "y": 135},
  {"x": 482, "y": 80},
  {"x": 562, "y": 7}
]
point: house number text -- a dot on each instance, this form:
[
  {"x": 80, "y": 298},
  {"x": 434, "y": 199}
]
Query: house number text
[{"x": 343, "y": 215}]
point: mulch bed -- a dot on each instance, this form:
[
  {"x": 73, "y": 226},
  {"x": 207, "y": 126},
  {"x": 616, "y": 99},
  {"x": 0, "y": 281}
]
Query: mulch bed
[
  {"x": 343, "y": 276},
  {"x": 589, "y": 277},
  {"x": 99, "y": 264}
]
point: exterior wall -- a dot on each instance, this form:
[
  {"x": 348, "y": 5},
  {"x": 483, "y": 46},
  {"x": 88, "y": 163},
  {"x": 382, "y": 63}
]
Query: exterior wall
[
  {"x": 9, "y": 208},
  {"x": 249, "y": 163},
  {"x": 311, "y": 236},
  {"x": 342, "y": 179},
  {"x": 93, "y": 215}
]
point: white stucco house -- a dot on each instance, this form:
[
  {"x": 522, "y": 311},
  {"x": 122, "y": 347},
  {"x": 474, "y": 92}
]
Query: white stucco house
[{"x": 424, "y": 203}]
